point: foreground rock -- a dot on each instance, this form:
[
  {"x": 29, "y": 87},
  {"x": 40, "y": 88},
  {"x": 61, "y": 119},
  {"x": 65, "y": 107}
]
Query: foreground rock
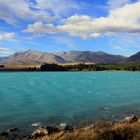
[
  {"x": 4, "y": 134},
  {"x": 130, "y": 119},
  {"x": 65, "y": 127},
  {"x": 12, "y": 130},
  {"x": 43, "y": 131}
]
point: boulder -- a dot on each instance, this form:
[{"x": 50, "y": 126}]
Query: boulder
[
  {"x": 43, "y": 131},
  {"x": 12, "y": 130},
  {"x": 51, "y": 129},
  {"x": 133, "y": 119},
  {"x": 130, "y": 119},
  {"x": 65, "y": 127},
  {"x": 40, "y": 132},
  {"x": 5, "y": 134}
]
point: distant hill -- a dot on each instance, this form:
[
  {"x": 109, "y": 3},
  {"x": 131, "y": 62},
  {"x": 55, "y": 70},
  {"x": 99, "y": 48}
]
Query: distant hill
[
  {"x": 31, "y": 58},
  {"x": 134, "y": 58},
  {"x": 36, "y": 57},
  {"x": 88, "y": 56}
]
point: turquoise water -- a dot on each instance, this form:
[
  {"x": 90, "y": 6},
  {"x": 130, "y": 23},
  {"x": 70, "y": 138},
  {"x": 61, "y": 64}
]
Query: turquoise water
[{"x": 53, "y": 98}]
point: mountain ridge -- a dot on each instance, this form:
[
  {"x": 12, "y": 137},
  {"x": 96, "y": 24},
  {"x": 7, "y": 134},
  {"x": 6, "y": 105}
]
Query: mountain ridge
[{"x": 30, "y": 57}]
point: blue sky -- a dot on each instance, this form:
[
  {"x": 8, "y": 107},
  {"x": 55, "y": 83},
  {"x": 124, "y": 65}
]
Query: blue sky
[{"x": 112, "y": 26}]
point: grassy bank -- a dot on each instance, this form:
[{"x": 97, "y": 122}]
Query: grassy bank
[
  {"x": 102, "y": 131},
  {"x": 129, "y": 129}
]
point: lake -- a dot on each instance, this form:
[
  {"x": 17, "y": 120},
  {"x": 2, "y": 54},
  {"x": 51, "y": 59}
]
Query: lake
[{"x": 58, "y": 97}]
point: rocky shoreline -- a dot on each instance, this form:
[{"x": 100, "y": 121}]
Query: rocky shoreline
[{"x": 129, "y": 128}]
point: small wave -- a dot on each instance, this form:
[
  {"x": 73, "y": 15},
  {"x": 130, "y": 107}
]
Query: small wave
[{"x": 36, "y": 124}]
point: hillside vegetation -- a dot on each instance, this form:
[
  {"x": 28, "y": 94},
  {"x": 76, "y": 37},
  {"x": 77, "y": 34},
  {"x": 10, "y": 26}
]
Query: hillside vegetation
[{"x": 92, "y": 67}]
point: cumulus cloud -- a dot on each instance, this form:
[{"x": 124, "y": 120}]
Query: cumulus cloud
[
  {"x": 40, "y": 28},
  {"x": 121, "y": 20},
  {"x": 7, "y": 36},
  {"x": 39, "y": 10}
]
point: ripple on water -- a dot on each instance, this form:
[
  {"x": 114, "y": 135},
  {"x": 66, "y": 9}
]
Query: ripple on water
[{"x": 65, "y": 97}]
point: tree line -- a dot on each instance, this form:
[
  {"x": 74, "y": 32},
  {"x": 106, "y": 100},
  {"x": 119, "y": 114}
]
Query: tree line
[{"x": 92, "y": 67}]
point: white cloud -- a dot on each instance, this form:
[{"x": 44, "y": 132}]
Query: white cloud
[
  {"x": 114, "y": 4},
  {"x": 122, "y": 48},
  {"x": 57, "y": 7},
  {"x": 3, "y": 49},
  {"x": 122, "y": 20},
  {"x": 7, "y": 36},
  {"x": 40, "y": 10},
  {"x": 12, "y": 9},
  {"x": 40, "y": 28}
]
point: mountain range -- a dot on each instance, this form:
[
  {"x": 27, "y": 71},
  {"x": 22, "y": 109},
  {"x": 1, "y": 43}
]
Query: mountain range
[{"x": 36, "y": 57}]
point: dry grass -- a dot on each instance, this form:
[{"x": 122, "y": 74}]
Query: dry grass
[
  {"x": 105, "y": 131},
  {"x": 20, "y": 67},
  {"x": 27, "y": 67},
  {"x": 100, "y": 131},
  {"x": 70, "y": 64}
]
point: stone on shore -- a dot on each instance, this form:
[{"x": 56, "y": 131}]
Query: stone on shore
[
  {"x": 5, "y": 134},
  {"x": 44, "y": 131},
  {"x": 130, "y": 119},
  {"x": 65, "y": 127},
  {"x": 40, "y": 132},
  {"x": 12, "y": 130}
]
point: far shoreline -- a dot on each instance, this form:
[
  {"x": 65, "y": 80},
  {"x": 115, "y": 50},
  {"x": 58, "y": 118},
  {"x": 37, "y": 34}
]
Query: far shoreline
[{"x": 79, "y": 67}]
